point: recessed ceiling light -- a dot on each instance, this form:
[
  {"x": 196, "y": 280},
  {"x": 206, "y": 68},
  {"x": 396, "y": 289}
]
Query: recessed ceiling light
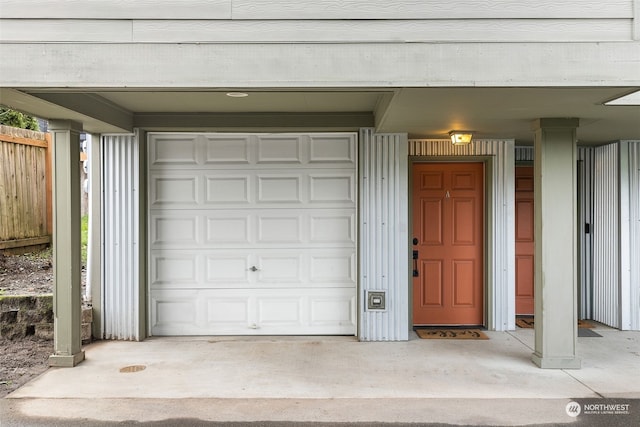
[{"x": 237, "y": 94}]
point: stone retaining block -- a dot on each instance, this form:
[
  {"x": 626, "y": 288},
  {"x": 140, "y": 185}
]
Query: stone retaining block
[{"x": 32, "y": 315}]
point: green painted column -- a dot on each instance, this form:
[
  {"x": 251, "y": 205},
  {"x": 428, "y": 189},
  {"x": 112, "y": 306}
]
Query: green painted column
[
  {"x": 556, "y": 243},
  {"x": 67, "y": 294}
]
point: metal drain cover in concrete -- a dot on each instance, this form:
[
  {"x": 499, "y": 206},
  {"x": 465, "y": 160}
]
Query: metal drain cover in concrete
[{"x": 133, "y": 368}]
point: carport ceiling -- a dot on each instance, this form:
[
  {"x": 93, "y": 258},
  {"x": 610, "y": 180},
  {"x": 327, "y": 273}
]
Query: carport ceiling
[{"x": 422, "y": 112}]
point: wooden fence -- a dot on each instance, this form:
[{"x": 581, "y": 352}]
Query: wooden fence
[{"x": 25, "y": 188}]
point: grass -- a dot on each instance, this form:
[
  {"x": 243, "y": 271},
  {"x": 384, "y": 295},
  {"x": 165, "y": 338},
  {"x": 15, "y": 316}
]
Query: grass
[
  {"x": 84, "y": 238},
  {"x": 84, "y": 243}
]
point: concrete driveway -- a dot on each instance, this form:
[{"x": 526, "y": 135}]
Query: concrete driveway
[{"x": 334, "y": 380}]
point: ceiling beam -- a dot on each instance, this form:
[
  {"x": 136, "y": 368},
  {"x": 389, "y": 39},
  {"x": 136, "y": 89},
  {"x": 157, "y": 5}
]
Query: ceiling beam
[
  {"x": 91, "y": 105},
  {"x": 276, "y": 121}
]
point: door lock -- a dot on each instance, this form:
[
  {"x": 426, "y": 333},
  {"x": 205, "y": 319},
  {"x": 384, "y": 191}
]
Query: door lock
[{"x": 254, "y": 268}]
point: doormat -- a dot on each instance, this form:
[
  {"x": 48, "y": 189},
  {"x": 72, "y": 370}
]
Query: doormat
[
  {"x": 452, "y": 334},
  {"x": 527, "y": 322},
  {"x": 587, "y": 333}
]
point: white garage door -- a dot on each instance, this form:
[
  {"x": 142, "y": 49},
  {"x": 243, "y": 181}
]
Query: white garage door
[{"x": 252, "y": 234}]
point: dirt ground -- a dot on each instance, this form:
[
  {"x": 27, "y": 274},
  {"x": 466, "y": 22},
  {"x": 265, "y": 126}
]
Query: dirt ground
[{"x": 22, "y": 360}]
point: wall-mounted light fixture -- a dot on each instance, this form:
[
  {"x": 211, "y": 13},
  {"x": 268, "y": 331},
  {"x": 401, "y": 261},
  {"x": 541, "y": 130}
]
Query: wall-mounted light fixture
[{"x": 461, "y": 137}]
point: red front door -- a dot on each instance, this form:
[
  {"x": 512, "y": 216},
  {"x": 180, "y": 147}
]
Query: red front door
[
  {"x": 525, "y": 246},
  {"x": 448, "y": 224}
]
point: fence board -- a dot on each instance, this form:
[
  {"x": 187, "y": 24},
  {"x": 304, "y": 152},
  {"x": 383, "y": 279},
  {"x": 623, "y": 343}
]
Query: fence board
[{"x": 24, "y": 183}]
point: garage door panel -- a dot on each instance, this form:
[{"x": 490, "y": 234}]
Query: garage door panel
[
  {"x": 280, "y": 189},
  {"x": 280, "y": 228},
  {"x": 280, "y": 149},
  {"x": 228, "y": 228},
  {"x": 280, "y": 311},
  {"x": 173, "y": 150},
  {"x": 228, "y": 189},
  {"x": 332, "y": 149},
  {"x": 232, "y": 268},
  {"x": 252, "y": 234},
  {"x": 235, "y": 228},
  {"x": 290, "y": 228},
  {"x": 228, "y": 311},
  {"x": 174, "y": 190},
  {"x": 336, "y": 267},
  {"x": 228, "y": 270},
  {"x": 279, "y": 269},
  {"x": 227, "y": 150},
  {"x": 175, "y": 269},
  {"x": 175, "y": 230},
  {"x": 332, "y": 187},
  {"x": 335, "y": 311},
  {"x": 177, "y": 312},
  {"x": 334, "y": 227},
  {"x": 253, "y": 312}
]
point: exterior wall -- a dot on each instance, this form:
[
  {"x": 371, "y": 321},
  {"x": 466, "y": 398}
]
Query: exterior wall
[
  {"x": 606, "y": 251},
  {"x": 122, "y": 313},
  {"x": 524, "y": 154},
  {"x": 500, "y": 235},
  {"x": 319, "y": 43},
  {"x": 284, "y": 21},
  {"x": 609, "y": 207},
  {"x": 616, "y": 218},
  {"x": 585, "y": 239},
  {"x": 634, "y": 234},
  {"x": 585, "y": 219},
  {"x": 384, "y": 241},
  {"x": 384, "y": 251}
]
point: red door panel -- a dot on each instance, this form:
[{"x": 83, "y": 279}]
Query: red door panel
[
  {"x": 448, "y": 223},
  {"x": 525, "y": 245}
]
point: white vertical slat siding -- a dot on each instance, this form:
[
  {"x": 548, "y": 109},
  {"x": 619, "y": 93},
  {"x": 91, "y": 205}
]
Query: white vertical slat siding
[
  {"x": 500, "y": 275},
  {"x": 121, "y": 261},
  {"x": 634, "y": 233},
  {"x": 585, "y": 243},
  {"x": 524, "y": 154},
  {"x": 606, "y": 230},
  {"x": 624, "y": 267},
  {"x": 384, "y": 234}
]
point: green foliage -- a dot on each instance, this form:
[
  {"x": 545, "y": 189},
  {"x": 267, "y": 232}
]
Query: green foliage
[
  {"x": 85, "y": 238},
  {"x": 17, "y": 119}
]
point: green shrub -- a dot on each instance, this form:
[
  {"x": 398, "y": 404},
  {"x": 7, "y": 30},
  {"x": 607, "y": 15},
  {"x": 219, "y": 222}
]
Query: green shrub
[{"x": 16, "y": 119}]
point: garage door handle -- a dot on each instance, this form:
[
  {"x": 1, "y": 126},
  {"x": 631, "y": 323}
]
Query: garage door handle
[{"x": 254, "y": 268}]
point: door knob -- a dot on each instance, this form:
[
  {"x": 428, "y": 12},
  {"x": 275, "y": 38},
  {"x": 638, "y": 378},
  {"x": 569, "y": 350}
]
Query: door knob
[{"x": 254, "y": 268}]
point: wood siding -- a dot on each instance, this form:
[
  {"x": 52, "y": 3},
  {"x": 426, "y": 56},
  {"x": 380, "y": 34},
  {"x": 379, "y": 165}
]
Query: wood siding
[
  {"x": 315, "y": 9},
  {"x": 319, "y": 43},
  {"x": 24, "y": 189},
  {"x": 301, "y": 31},
  {"x": 286, "y": 21},
  {"x": 320, "y": 65}
]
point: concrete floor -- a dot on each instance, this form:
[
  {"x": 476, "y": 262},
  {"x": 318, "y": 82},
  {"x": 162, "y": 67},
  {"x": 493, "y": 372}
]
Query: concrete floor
[{"x": 331, "y": 379}]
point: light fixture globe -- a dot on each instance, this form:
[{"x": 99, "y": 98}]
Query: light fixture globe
[{"x": 461, "y": 137}]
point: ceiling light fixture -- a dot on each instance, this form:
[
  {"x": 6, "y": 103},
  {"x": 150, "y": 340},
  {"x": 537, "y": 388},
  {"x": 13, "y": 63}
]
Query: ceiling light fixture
[
  {"x": 237, "y": 94},
  {"x": 461, "y": 137}
]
